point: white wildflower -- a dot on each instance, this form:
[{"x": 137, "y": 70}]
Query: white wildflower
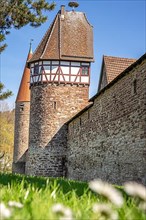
[
  {"x": 135, "y": 189},
  {"x": 108, "y": 191},
  {"x": 4, "y": 211},
  {"x": 66, "y": 213},
  {"x": 105, "y": 212},
  {"x": 57, "y": 208},
  {"x": 26, "y": 194},
  {"x": 15, "y": 204}
]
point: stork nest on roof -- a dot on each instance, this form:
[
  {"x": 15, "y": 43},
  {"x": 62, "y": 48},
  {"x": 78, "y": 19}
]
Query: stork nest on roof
[{"x": 73, "y": 4}]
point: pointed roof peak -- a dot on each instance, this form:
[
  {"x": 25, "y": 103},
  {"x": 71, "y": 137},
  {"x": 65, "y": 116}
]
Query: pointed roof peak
[
  {"x": 30, "y": 47},
  {"x": 24, "y": 91}
]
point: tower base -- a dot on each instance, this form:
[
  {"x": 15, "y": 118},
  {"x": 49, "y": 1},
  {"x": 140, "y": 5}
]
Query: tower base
[{"x": 18, "y": 167}]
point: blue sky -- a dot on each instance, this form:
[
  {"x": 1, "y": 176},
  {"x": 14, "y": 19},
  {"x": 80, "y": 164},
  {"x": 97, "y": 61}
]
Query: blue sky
[{"x": 119, "y": 30}]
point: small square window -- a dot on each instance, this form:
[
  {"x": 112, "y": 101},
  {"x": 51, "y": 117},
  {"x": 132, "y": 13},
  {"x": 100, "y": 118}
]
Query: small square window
[
  {"x": 54, "y": 69},
  {"x": 46, "y": 62},
  {"x": 75, "y": 64},
  {"x": 65, "y": 63},
  {"x": 55, "y": 62},
  {"x": 21, "y": 107},
  {"x": 36, "y": 69},
  {"x": 85, "y": 64},
  {"x": 85, "y": 70}
]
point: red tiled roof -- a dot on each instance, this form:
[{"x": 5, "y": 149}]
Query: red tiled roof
[
  {"x": 24, "y": 91},
  {"x": 76, "y": 37},
  {"x": 122, "y": 74},
  {"x": 69, "y": 37},
  {"x": 116, "y": 65}
]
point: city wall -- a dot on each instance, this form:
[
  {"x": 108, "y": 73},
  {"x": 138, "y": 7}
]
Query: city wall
[{"x": 108, "y": 140}]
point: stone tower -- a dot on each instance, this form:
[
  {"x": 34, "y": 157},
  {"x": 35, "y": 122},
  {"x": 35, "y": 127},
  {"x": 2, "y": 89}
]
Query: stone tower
[
  {"x": 60, "y": 78},
  {"x": 22, "y": 112}
]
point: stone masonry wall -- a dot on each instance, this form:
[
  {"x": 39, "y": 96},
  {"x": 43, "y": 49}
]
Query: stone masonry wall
[
  {"x": 109, "y": 140},
  {"x": 22, "y": 112},
  {"x": 51, "y": 107}
]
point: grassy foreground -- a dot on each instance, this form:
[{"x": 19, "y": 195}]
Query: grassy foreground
[{"x": 57, "y": 198}]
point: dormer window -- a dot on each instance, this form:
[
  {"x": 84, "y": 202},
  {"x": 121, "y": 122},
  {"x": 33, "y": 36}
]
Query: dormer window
[{"x": 36, "y": 69}]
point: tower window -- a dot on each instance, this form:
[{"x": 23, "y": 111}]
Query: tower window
[
  {"x": 36, "y": 69},
  {"x": 22, "y": 107},
  {"x": 88, "y": 114},
  {"x": 85, "y": 64},
  {"x": 75, "y": 64},
  {"x": 55, "y": 62},
  {"x": 54, "y": 69},
  {"x": 55, "y": 105},
  {"x": 85, "y": 70},
  {"x": 65, "y": 63},
  {"x": 46, "y": 62},
  {"x": 32, "y": 69},
  {"x": 134, "y": 86}
]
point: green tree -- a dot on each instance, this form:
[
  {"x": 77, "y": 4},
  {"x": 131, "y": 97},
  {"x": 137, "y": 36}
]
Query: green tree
[
  {"x": 4, "y": 95},
  {"x": 6, "y": 139},
  {"x": 18, "y": 13}
]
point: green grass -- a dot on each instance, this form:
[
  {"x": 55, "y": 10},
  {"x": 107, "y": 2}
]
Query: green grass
[
  {"x": 45, "y": 192},
  {"x": 42, "y": 182}
]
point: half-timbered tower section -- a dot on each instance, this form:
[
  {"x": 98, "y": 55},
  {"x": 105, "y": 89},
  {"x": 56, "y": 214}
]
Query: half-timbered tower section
[
  {"x": 59, "y": 82},
  {"x": 67, "y": 72},
  {"x": 22, "y": 112}
]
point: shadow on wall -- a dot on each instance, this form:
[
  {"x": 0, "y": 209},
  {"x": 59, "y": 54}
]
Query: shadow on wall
[{"x": 49, "y": 160}]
